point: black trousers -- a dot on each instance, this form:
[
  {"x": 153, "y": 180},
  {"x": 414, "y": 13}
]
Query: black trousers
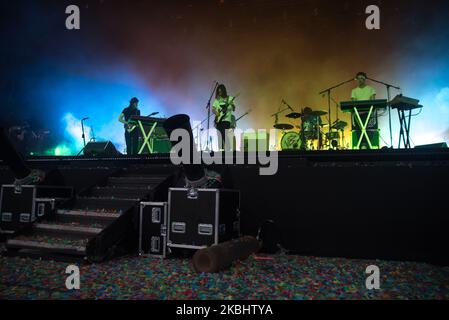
[
  {"x": 132, "y": 142},
  {"x": 222, "y": 127}
]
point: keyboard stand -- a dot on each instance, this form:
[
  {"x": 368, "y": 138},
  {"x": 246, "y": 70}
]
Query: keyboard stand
[
  {"x": 363, "y": 127},
  {"x": 147, "y": 137},
  {"x": 404, "y": 135}
]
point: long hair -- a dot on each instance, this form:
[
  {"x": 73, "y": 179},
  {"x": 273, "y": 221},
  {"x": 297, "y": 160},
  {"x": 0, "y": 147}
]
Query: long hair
[
  {"x": 221, "y": 88},
  {"x": 133, "y": 100}
]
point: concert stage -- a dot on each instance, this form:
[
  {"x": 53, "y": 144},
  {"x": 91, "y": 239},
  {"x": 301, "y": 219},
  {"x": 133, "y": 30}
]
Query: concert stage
[{"x": 384, "y": 204}]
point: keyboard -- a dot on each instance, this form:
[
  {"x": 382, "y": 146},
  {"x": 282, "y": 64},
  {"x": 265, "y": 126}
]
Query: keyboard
[
  {"x": 349, "y": 106},
  {"x": 146, "y": 121},
  {"x": 405, "y": 103}
]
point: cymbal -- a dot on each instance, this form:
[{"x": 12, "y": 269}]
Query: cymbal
[
  {"x": 318, "y": 113},
  {"x": 339, "y": 125},
  {"x": 283, "y": 126},
  {"x": 294, "y": 115}
]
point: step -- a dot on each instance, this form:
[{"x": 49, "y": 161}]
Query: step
[
  {"x": 66, "y": 230},
  {"x": 136, "y": 180},
  {"x": 53, "y": 246},
  {"x": 103, "y": 204},
  {"x": 86, "y": 217},
  {"x": 120, "y": 192},
  {"x": 153, "y": 169}
]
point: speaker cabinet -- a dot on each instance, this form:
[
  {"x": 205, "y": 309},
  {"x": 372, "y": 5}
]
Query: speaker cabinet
[
  {"x": 441, "y": 145},
  {"x": 100, "y": 149}
]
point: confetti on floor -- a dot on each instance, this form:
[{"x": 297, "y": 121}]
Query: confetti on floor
[{"x": 283, "y": 277}]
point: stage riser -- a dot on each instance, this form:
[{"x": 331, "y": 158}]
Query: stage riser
[{"x": 396, "y": 213}]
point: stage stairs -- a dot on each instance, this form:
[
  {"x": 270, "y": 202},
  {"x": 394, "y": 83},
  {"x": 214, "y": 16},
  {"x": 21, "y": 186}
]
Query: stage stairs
[{"x": 99, "y": 223}]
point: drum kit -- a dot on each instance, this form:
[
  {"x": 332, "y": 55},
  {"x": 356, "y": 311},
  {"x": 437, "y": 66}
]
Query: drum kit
[{"x": 309, "y": 133}]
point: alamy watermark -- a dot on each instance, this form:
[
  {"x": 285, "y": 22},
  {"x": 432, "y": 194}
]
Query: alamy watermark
[
  {"x": 72, "y": 282},
  {"x": 373, "y": 280},
  {"x": 184, "y": 151},
  {"x": 73, "y": 21},
  {"x": 373, "y": 20}
]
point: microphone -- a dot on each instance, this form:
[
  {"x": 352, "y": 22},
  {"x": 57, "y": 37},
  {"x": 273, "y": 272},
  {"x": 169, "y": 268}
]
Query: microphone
[
  {"x": 153, "y": 114},
  {"x": 85, "y": 118}
]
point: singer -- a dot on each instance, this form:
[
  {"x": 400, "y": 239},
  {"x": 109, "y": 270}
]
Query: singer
[
  {"x": 131, "y": 134},
  {"x": 363, "y": 92}
]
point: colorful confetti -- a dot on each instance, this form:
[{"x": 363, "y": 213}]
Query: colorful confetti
[{"x": 282, "y": 278}]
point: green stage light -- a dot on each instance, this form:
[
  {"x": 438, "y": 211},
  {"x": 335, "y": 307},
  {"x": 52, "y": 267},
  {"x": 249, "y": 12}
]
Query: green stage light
[{"x": 62, "y": 150}]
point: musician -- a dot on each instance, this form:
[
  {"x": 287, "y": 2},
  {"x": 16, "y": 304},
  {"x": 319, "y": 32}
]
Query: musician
[
  {"x": 131, "y": 136},
  {"x": 310, "y": 127},
  {"x": 363, "y": 92},
  {"x": 223, "y": 109}
]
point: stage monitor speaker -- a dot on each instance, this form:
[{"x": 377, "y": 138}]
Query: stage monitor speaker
[
  {"x": 100, "y": 149},
  {"x": 441, "y": 145}
]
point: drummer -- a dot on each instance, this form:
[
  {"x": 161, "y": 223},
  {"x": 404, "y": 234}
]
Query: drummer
[{"x": 311, "y": 123}]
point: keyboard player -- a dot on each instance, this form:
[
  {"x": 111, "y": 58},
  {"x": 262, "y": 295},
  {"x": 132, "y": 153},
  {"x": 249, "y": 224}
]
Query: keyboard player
[
  {"x": 363, "y": 92},
  {"x": 131, "y": 132}
]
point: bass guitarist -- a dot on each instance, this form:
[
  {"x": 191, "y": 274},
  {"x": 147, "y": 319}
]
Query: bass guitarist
[{"x": 131, "y": 135}]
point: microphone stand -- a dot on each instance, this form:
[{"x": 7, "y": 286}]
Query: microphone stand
[
  {"x": 93, "y": 139},
  {"x": 83, "y": 136},
  {"x": 328, "y": 92},
  {"x": 208, "y": 116},
  {"x": 389, "y": 86},
  {"x": 199, "y": 128},
  {"x": 274, "y": 115}
]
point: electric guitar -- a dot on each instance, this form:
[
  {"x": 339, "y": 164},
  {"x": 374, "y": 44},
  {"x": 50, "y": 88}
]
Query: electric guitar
[
  {"x": 224, "y": 110},
  {"x": 130, "y": 127}
]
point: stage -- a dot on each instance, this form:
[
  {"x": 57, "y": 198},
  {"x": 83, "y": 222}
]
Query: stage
[{"x": 383, "y": 204}]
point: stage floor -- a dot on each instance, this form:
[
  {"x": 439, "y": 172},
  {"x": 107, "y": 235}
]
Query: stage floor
[{"x": 282, "y": 278}]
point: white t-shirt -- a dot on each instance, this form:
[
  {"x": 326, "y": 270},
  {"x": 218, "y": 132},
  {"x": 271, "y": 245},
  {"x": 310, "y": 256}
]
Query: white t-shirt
[
  {"x": 363, "y": 94},
  {"x": 218, "y": 105}
]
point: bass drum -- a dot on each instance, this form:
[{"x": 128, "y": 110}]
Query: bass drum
[{"x": 291, "y": 141}]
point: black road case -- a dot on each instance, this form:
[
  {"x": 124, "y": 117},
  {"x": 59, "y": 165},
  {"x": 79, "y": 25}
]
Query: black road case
[
  {"x": 152, "y": 229},
  {"x": 22, "y": 206},
  {"x": 45, "y": 207},
  {"x": 17, "y": 208},
  {"x": 210, "y": 217}
]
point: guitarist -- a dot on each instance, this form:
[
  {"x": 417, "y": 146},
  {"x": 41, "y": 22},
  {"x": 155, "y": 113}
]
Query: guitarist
[
  {"x": 131, "y": 136},
  {"x": 223, "y": 108}
]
